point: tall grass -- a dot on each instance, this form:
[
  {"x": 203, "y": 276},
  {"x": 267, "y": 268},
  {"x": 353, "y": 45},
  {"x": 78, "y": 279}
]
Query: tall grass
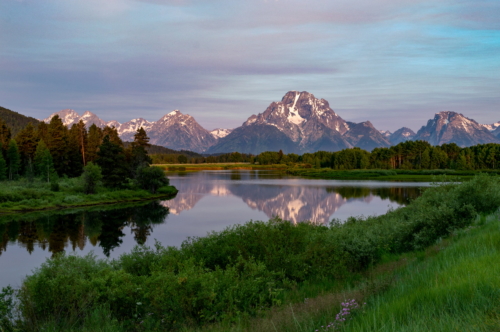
[
  {"x": 456, "y": 290},
  {"x": 229, "y": 276}
]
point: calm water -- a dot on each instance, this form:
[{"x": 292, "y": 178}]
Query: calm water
[{"x": 207, "y": 201}]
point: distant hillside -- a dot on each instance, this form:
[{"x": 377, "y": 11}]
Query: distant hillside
[
  {"x": 156, "y": 149},
  {"x": 16, "y": 121}
]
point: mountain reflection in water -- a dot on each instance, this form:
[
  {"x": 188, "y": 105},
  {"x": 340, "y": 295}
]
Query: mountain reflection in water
[{"x": 280, "y": 195}]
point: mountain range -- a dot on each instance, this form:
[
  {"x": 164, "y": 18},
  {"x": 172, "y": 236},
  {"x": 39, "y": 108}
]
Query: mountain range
[{"x": 299, "y": 123}]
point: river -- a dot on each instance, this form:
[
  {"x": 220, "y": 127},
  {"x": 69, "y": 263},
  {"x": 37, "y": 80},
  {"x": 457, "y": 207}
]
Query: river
[{"x": 207, "y": 201}]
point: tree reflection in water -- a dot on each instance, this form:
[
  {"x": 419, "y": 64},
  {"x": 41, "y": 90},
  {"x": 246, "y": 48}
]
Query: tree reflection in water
[{"x": 56, "y": 231}]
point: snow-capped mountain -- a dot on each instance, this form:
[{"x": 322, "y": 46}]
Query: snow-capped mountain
[
  {"x": 219, "y": 133},
  {"x": 492, "y": 127},
  {"x": 451, "y": 127},
  {"x": 128, "y": 129},
  {"x": 401, "y": 135},
  {"x": 298, "y": 123},
  {"x": 70, "y": 117},
  {"x": 180, "y": 132},
  {"x": 385, "y": 133}
]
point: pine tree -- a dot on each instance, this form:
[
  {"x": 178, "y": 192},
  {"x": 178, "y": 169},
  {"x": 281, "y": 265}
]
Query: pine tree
[
  {"x": 113, "y": 135},
  {"x": 82, "y": 140},
  {"x": 5, "y": 135},
  {"x": 137, "y": 154},
  {"x": 3, "y": 165},
  {"x": 13, "y": 160},
  {"x": 111, "y": 158},
  {"x": 44, "y": 165},
  {"x": 27, "y": 141},
  {"x": 94, "y": 140},
  {"x": 74, "y": 158},
  {"x": 57, "y": 144}
]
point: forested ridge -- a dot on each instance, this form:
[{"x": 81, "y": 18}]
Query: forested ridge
[{"x": 16, "y": 121}]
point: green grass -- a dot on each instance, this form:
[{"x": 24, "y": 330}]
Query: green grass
[
  {"x": 456, "y": 290},
  {"x": 385, "y": 175},
  {"x": 23, "y": 196},
  {"x": 219, "y": 166}
]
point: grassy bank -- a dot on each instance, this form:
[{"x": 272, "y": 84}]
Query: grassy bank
[
  {"x": 385, "y": 175},
  {"x": 219, "y": 166},
  {"x": 23, "y": 196},
  {"x": 245, "y": 271}
]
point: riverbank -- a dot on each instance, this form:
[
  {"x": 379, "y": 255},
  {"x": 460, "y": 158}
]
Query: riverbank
[
  {"x": 246, "y": 270},
  {"x": 385, "y": 175},
  {"x": 218, "y": 166},
  {"x": 24, "y": 196}
]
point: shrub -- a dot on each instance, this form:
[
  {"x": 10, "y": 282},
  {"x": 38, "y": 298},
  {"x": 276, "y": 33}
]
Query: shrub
[
  {"x": 91, "y": 178},
  {"x": 151, "y": 178}
]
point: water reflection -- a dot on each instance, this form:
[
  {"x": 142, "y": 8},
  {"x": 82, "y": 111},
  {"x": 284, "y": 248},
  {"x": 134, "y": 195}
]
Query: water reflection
[
  {"x": 56, "y": 231},
  {"x": 290, "y": 198}
]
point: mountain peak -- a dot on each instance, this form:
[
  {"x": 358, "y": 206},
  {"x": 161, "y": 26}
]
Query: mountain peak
[{"x": 448, "y": 127}]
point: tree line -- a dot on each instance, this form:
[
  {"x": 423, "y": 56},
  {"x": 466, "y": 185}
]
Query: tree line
[
  {"x": 52, "y": 150},
  {"x": 410, "y": 155}
]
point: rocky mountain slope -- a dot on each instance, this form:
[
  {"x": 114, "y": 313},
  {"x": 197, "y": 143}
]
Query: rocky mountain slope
[
  {"x": 401, "y": 135},
  {"x": 180, "y": 132},
  {"x": 365, "y": 136},
  {"x": 448, "y": 127}
]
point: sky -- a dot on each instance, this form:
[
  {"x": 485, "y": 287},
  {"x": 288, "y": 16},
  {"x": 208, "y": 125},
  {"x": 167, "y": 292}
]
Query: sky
[{"x": 393, "y": 62}]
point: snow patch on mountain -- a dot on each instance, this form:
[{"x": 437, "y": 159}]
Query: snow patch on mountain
[{"x": 219, "y": 132}]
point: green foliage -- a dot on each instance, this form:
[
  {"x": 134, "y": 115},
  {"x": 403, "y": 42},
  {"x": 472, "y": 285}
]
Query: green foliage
[
  {"x": 182, "y": 159},
  {"x": 3, "y": 165},
  {"x": 245, "y": 268},
  {"x": 13, "y": 160},
  {"x": 7, "y": 309},
  {"x": 91, "y": 178},
  {"x": 151, "y": 178},
  {"x": 111, "y": 159},
  {"x": 44, "y": 165}
]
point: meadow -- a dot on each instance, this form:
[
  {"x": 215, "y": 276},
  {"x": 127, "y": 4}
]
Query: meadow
[{"x": 280, "y": 276}]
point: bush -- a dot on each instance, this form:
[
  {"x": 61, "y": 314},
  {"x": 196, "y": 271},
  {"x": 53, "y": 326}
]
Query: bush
[
  {"x": 91, "y": 178},
  {"x": 151, "y": 178}
]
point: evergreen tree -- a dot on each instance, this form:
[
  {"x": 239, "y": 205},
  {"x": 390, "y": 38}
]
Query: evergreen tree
[
  {"x": 3, "y": 166},
  {"x": 27, "y": 141},
  {"x": 82, "y": 139},
  {"x": 74, "y": 158},
  {"x": 44, "y": 165},
  {"x": 111, "y": 159},
  {"x": 13, "y": 160},
  {"x": 137, "y": 154},
  {"x": 94, "y": 140},
  {"x": 42, "y": 131},
  {"x": 58, "y": 144},
  {"x": 113, "y": 135},
  {"x": 5, "y": 135}
]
